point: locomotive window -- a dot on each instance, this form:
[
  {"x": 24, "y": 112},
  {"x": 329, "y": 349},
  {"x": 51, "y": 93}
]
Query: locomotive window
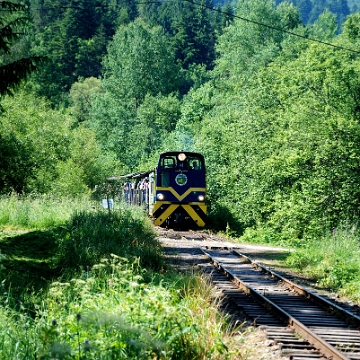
[
  {"x": 194, "y": 164},
  {"x": 168, "y": 163}
]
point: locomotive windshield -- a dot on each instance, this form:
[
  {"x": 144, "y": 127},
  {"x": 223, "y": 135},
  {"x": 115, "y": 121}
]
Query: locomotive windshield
[
  {"x": 192, "y": 162},
  {"x": 168, "y": 162}
]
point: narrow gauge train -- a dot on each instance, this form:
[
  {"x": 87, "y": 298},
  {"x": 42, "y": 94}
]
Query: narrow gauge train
[{"x": 174, "y": 192}]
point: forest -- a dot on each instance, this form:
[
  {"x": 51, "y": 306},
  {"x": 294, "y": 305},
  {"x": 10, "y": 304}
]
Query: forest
[{"x": 268, "y": 91}]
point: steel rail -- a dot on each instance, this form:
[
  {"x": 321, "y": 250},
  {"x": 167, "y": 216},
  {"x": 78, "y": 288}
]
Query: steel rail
[
  {"x": 327, "y": 349},
  {"x": 338, "y": 311}
]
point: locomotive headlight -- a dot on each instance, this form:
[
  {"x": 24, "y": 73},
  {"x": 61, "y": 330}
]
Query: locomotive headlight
[
  {"x": 181, "y": 156},
  {"x": 160, "y": 197},
  {"x": 201, "y": 197}
]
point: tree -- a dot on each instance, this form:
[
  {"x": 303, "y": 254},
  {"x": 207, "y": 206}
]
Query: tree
[
  {"x": 82, "y": 94},
  {"x": 65, "y": 43},
  {"x": 193, "y": 35},
  {"x": 244, "y": 47},
  {"x": 351, "y": 28},
  {"x": 139, "y": 65},
  {"x": 140, "y": 61},
  {"x": 73, "y": 35},
  {"x": 279, "y": 126},
  {"x": 40, "y": 148},
  {"x": 156, "y": 118},
  {"x": 192, "y": 28},
  {"x": 338, "y": 7},
  {"x": 14, "y": 65},
  {"x": 16, "y": 164}
]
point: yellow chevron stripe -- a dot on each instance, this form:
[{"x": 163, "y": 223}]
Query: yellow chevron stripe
[
  {"x": 180, "y": 197},
  {"x": 158, "y": 204},
  {"x": 194, "y": 215},
  {"x": 159, "y": 220}
]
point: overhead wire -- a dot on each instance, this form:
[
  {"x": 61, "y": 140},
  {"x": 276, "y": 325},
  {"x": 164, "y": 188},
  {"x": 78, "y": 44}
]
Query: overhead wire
[
  {"x": 255, "y": 22},
  {"x": 272, "y": 27}
]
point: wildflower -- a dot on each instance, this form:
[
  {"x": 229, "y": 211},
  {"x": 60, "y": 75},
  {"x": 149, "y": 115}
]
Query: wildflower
[
  {"x": 78, "y": 317},
  {"x": 54, "y": 322}
]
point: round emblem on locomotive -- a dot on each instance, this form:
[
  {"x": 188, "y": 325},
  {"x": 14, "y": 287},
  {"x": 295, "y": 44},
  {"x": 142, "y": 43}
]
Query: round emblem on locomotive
[{"x": 181, "y": 179}]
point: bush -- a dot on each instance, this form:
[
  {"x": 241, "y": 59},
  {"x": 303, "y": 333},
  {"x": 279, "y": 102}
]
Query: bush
[
  {"x": 113, "y": 313},
  {"x": 333, "y": 260},
  {"x": 89, "y": 236}
]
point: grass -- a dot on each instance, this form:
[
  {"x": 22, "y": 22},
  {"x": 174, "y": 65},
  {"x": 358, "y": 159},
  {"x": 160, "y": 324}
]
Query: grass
[
  {"x": 38, "y": 211},
  {"x": 94, "y": 285},
  {"x": 333, "y": 261}
]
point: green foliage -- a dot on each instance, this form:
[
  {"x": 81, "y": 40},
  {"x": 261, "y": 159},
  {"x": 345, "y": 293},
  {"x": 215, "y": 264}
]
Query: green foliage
[
  {"x": 81, "y": 290},
  {"x": 140, "y": 61},
  {"x": 87, "y": 237},
  {"x": 43, "y": 134},
  {"x": 16, "y": 163},
  {"x": 192, "y": 29},
  {"x": 15, "y": 60},
  {"x": 264, "y": 236},
  {"x": 38, "y": 212},
  {"x": 81, "y": 95},
  {"x": 137, "y": 107},
  {"x": 244, "y": 47},
  {"x": 311, "y": 175},
  {"x": 333, "y": 261},
  {"x": 279, "y": 130},
  {"x": 43, "y": 152},
  {"x": 73, "y": 36},
  {"x": 156, "y": 117},
  {"x": 352, "y": 28}
]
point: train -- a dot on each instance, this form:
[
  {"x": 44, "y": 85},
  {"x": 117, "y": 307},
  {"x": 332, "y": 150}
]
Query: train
[{"x": 173, "y": 193}]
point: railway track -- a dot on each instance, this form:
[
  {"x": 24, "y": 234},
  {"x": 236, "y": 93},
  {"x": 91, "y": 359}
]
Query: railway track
[{"x": 303, "y": 323}]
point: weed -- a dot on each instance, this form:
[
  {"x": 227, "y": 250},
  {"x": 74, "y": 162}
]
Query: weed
[
  {"x": 333, "y": 260},
  {"x": 38, "y": 211},
  {"x": 85, "y": 288}
]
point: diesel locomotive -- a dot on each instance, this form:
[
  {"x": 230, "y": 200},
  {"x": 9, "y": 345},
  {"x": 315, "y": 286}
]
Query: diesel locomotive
[
  {"x": 179, "y": 189},
  {"x": 173, "y": 193}
]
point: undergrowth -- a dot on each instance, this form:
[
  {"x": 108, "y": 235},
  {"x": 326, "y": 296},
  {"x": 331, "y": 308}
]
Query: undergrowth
[
  {"x": 112, "y": 312},
  {"x": 95, "y": 286},
  {"x": 334, "y": 261},
  {"x": 38, "y": 211}
]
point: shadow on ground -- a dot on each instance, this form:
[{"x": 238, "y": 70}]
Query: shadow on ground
[{"x": 28, "y": 263}]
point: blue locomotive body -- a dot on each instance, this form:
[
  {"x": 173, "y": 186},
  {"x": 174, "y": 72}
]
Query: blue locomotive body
[{"x": 179, "y": 189}]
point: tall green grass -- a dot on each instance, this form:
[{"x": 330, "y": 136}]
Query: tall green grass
[
  {"x": 38, "y": 211},
  {"x": 32, "y": 259},
  {"x": 89, "y": 236},
  {"x": 114, "y": 313},
  {"x": 334, "y": 260},
  {"x": 95, "y": 286}
]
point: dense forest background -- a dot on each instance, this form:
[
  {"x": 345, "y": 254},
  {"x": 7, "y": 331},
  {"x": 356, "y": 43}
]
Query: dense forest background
[{"x": 268, "y": 91}]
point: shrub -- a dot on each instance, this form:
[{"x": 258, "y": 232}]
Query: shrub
[{"x": 89, "y": 236}]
